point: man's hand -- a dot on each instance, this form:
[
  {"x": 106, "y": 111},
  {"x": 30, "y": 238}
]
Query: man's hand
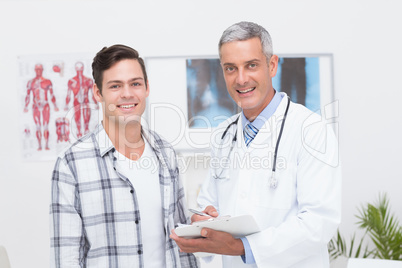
[
  {"x": 212, "y": 242},
  {"x": 210, "y": 210}
]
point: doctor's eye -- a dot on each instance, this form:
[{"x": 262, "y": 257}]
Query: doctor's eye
[
  {"x": 252, "y": 65},
  {"x": 229, "y": 69}
]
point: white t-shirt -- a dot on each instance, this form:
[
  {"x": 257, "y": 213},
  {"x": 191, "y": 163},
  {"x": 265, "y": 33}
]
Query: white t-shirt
[{"x": 144, "y": 176}]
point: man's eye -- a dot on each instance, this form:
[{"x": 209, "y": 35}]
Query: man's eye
[
  {"x": 114, "y": 86},
  {"x": 229, "y": 69},
  {"x": 136, "y": 84},
  {"x": 252, "y": 65}
]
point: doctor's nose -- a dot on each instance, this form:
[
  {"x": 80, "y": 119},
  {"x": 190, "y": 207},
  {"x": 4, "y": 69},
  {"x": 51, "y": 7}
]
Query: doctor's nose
[{"x": 241, "y": 78}]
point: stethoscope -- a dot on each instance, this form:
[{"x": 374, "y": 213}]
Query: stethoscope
[{"x": 273, "y": 182}]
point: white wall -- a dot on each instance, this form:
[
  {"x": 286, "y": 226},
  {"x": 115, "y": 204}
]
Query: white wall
[{"x": 364, "y": 38}]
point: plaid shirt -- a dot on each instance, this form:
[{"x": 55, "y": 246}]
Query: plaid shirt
[{"x": 94, "y": 216}]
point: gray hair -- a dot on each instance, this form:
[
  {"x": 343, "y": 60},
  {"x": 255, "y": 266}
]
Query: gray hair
[{"x": 245, "y": 30}]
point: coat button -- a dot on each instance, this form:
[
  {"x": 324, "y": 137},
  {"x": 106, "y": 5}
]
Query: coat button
[
  {"x": 131, "y": 191},
  {"x": 136, "y": 221},
  {"x": 139, "y": 251}
]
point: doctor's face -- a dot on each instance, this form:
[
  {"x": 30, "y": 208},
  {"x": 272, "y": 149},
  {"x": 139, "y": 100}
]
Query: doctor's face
[{"x": 248, "y": 75}]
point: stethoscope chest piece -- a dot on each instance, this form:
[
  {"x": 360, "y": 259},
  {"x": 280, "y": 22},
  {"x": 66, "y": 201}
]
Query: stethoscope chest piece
[{"x": 273, "y": 182}]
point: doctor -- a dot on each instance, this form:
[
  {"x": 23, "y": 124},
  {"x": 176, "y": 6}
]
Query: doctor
[{"x": 275, "y": 160}]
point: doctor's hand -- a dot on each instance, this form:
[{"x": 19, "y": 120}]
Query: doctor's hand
[
  {"x": 211, "y": 241},
  {"x": 210, "y": 210}
]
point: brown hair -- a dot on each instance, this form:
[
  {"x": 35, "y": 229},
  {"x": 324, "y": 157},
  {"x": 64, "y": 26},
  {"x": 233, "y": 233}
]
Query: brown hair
[{"x": 108, "y": 56}]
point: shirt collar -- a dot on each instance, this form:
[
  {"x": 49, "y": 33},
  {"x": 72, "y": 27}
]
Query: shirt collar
[
  {"x": 104, "y": 142},
  {"x": 266, "y": 113}
]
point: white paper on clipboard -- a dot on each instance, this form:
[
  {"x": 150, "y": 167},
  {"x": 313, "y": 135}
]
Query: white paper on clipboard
[{"x": 238, "y": 226}]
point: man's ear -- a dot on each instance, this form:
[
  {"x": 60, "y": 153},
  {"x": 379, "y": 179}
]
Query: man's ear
[
  {"x": 97, "y": 93},
  {"x": 273, "y": 65},
  {"x": 147, "y": 89}
]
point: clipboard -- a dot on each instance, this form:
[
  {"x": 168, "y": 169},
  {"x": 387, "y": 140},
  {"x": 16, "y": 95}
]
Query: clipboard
[{"x": 238, "y": 226}]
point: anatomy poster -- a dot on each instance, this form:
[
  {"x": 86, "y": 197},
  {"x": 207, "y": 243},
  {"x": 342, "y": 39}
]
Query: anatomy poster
[{"x": 57, "y": 104}]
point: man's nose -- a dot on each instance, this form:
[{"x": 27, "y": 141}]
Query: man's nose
[
  {"x": 242, "y": 77},
  {"x": 126, "y": 91}
]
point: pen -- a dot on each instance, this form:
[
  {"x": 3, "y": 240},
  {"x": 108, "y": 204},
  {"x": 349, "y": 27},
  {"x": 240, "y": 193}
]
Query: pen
[{"x": 199, "y": 212}]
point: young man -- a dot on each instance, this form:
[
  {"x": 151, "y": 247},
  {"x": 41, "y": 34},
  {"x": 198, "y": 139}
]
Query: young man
[
  {"x": 107, "y": 209},
  {"x": 283, "y": 167}
]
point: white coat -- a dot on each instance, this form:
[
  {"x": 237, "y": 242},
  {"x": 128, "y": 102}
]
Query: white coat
[{"x": 300, "y": 215}]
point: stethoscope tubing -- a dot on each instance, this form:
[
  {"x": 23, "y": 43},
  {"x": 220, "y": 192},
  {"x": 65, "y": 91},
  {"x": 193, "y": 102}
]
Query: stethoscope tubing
[{"x": 234, "y": 123}]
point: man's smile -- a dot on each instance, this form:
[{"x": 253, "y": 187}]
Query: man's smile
[
  {"x": 245, "y": 90},
  {"x": 127, "y": 106}
]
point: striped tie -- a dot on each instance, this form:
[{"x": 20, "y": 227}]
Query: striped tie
[{"x": 249, "y": 133}]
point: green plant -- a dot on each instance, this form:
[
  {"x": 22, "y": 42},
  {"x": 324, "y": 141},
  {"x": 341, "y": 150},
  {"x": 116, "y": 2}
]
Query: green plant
[
  {"x": 338, "y": 247},
  {"x": 381, "y": 226}
]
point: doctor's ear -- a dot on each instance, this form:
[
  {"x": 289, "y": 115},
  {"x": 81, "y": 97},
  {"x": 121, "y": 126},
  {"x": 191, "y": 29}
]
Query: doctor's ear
[{"x": 273, "y": 65}]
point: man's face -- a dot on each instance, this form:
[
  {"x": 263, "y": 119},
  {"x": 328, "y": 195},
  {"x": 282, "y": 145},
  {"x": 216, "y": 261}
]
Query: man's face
[
  {"x": 124, "y": 92},
  {"x": 247, "y": 74}
]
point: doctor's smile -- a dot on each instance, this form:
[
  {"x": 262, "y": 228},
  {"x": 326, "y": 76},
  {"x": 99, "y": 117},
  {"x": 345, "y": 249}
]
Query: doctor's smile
[{"x": 244, "y": 91}]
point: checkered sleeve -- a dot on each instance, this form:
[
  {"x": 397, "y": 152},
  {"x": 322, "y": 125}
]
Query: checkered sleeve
[
  {"x": 181, "y": 216},
  {"x": 176, "y": 206},
  {"x": 66, "y": 230},
  {"x": 186, "y": 259}
]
